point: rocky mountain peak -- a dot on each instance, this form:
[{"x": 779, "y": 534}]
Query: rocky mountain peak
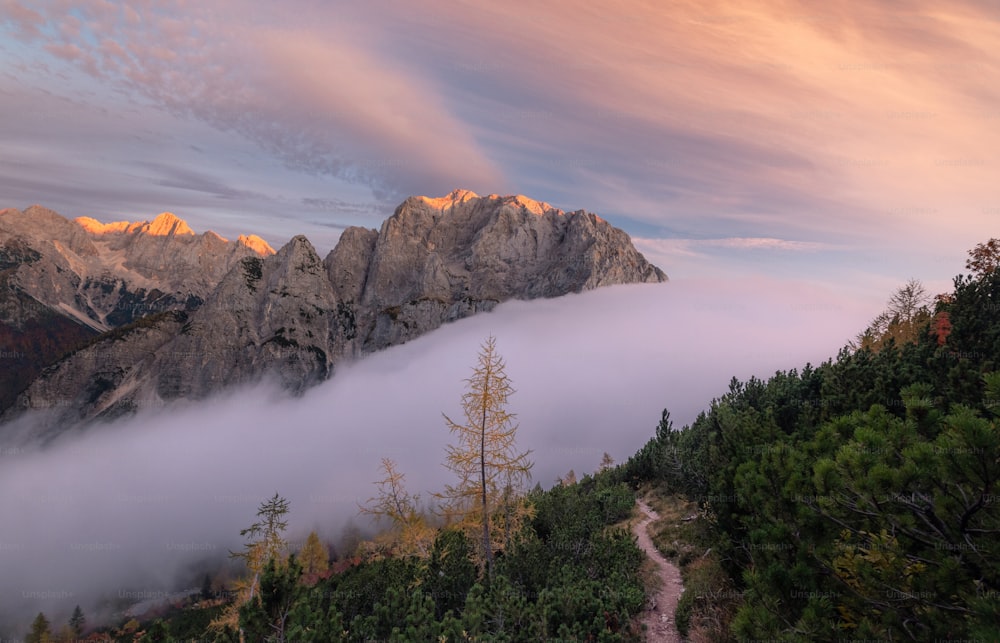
[
  {"x": 104, "y": 275},
  {"x": 439, "y": 259},
  {"x": 190, "y": 314},
  {"x": 526, "y": 203},
  {"x": 297, "y": 256},
  {"x": 297, "y": 245},
  {"x": 452, "y": 198},
  {"x": 38, "y": 225},
  {"x": 95, "y": 227},
  {"x": 166, "y": 223},
  {"x": 468, "y": 197},
  {"x": 256, "y": 244}
]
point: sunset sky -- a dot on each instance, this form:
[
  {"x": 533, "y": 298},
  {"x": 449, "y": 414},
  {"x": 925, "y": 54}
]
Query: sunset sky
[
  {"x": 843, "y": 142},
  {"x": 789, "y": 165}
]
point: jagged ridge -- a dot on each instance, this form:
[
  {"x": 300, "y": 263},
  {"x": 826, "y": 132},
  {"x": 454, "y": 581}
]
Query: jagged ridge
[{"x": 294, "y": 315}]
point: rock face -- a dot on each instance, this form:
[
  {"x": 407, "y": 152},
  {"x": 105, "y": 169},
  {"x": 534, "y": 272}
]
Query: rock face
[
  {"x": 62, "y": 282},
  {"x": 107, "y": 275},
  {"x": 291, "y": 315},
  {"x": 438, "y": 260}
]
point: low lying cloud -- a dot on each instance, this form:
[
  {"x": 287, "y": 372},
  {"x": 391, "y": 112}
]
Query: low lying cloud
[
  {"x": 689, "y": 247},
  {"x": 128, "y": 510},
  {"x": 764, "y": 243}
]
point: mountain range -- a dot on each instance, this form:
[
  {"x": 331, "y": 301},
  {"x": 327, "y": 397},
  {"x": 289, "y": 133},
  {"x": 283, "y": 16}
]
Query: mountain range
[{"x": 98, "y": 319}]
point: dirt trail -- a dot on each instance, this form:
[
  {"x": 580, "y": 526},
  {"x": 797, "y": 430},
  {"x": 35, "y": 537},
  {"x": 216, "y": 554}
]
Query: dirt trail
[{"x": 659, "y": 614}]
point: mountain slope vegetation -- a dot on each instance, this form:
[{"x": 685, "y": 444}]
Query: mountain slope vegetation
[
  {"x": 859, "y": 499},
  {"x": 854, "y": 500}
]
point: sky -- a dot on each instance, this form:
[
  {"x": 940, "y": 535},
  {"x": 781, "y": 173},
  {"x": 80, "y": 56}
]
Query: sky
[
  {"x": 129, "y": 510},
  {"x": 787, "y": 164},
  {"x": 851, "y": 143}
]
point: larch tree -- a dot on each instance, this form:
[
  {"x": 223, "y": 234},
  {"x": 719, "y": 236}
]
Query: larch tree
[
  {"x": 314, "y": 557},
  {"x": 409, "y": 534},
  {"x": 40, "y": 631},
  {"x": 567, "y": 480},
  {"x": 491, "y": 471},
  {"x": 905, "y": 314}
]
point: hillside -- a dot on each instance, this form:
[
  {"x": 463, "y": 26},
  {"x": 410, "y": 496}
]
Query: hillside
[{"x": 856, "y": 499}]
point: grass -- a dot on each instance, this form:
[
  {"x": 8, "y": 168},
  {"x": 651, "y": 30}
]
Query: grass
[
  {"x": 648, "y": 571},
  {"x": 683, "y": 535}
]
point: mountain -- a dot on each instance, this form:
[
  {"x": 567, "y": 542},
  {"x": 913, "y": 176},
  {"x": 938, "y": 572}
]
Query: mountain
[
  {"x": 227, "y": 313},
  {"x": 63, "y": 282}
]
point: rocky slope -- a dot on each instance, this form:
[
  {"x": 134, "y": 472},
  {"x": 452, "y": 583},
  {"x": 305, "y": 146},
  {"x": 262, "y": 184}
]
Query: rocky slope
[
  {"x": 437, "y": 260},
  {"x": 62, "y": 282},
  {"x": 293, "y": 316},
  {"x": 106, "y": 275}
]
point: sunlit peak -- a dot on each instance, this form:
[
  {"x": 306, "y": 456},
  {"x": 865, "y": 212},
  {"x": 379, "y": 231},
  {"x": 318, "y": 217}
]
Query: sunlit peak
[{"x": 455, "y": 197}]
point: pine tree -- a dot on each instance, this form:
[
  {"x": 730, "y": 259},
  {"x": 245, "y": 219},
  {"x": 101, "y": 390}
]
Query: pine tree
[
  {"x": 40, "y": 632},
  {"x": 491, "y": 472},
  {"x": 158, "y": 632},
  {"x": 265, "y": 616},
  {"x": 77, "y": 622},
  {"x": 449, "y": 573}
]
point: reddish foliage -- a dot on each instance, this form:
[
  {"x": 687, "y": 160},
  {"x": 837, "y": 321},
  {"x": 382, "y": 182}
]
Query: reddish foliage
[
  {"x": 342, "y": 565},
  {"x": 941, "y": 327},
  {"x": 309, "y": 580},
  {"x": 611, "y": 621}
]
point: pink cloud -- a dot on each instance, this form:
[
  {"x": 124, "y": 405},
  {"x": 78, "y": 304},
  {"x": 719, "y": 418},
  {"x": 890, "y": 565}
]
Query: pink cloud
[
  {"x": 687, "y": 253},
  {"x": 372, "y": 104},
  {"x": 131, "y": 15},
  {"x": 860, "y": 107},
  {"x": 71, "y": 53},
  {"x": 763, "y": 243},
  {"x": 315, "y": 98},
  {"x": 68, "y": 52},
  {"x": 758, "y": 121},
  {"x": 111, "y": 50},
  {"x": 28, "y": 21}
]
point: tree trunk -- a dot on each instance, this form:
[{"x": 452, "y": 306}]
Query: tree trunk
[{"x": 487, "y": 549}]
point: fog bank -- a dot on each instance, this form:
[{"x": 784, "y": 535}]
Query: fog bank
[{"x": 121, "y": 510}]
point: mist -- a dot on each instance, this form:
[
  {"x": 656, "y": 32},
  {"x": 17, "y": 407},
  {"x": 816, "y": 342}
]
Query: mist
[{"x": 130, "y": 509}]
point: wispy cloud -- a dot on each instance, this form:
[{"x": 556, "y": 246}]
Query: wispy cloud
[
  {"x": 312, "y": 97},
  {"x": 863, "y": 125},
  {"x": 668, "y": 249},
  {"x": 765, "y": 243}
]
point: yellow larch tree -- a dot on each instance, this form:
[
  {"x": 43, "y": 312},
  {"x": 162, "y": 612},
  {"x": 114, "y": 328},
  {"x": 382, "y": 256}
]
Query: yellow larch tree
[
  {"x": 492, "y": 473},
  {"x": 409, "y": 534}
]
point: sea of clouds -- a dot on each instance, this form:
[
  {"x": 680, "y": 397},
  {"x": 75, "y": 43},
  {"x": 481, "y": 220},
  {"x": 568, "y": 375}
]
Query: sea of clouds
[{"x": 135, "y": 508}]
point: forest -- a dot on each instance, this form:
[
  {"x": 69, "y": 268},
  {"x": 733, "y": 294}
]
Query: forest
[
  {"x": 854, "y": 500},
  {"x": 858, "y": 499}
]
